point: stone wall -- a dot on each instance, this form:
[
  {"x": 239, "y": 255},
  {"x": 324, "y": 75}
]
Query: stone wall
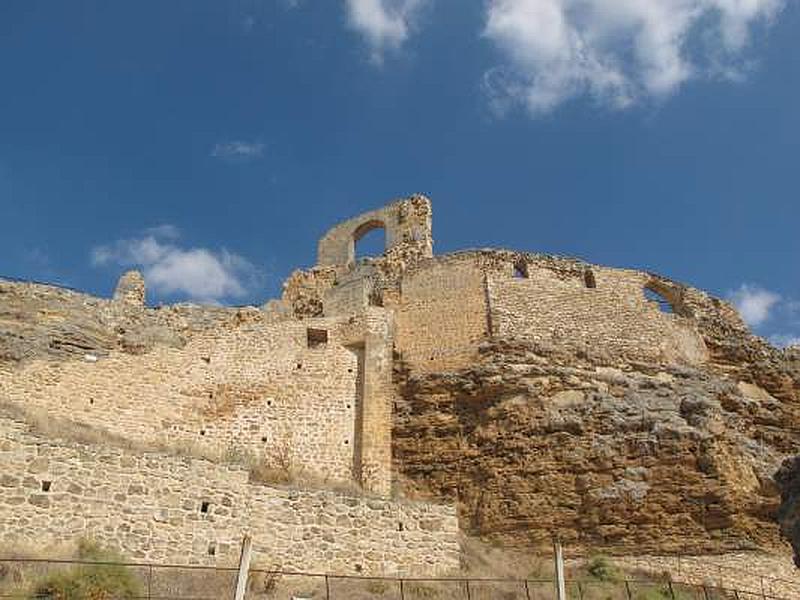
[
  {"x": 256, "y": 388},
  {"x": 613, "y": 316},
  {"x": 161, "y": 508},
  {"x": 441, "y": 315}
]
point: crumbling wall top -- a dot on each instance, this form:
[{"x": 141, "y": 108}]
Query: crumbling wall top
[
  {"x": 407, "y": 224},
  {"x": 131, "y": 289}
]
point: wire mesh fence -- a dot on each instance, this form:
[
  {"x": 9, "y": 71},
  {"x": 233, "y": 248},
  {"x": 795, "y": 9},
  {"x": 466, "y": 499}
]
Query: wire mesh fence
[{"x": 21, "y": 579}]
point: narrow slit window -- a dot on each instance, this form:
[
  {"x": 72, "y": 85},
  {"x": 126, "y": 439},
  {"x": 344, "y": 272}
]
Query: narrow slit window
[{"x": 204, "y": 507}]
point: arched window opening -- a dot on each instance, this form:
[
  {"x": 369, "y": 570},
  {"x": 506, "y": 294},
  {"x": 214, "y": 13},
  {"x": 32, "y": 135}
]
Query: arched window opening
[
  {"x": 520, "y": 270},
  {"x": 370, "y": 240},
  {"x": 663, "y": 304},
  {"x": 589, "y": 280}
]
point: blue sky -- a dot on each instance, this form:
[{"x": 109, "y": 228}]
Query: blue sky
[{"x": 211, "y": 142}]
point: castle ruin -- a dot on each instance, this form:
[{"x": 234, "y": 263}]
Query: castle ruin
[{"x": 416, "y": 396}]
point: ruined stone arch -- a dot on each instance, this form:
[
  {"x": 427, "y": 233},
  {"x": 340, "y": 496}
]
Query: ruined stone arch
[
  {"x": 406, "y": 222},
  {"x": 365, "y": 228}
]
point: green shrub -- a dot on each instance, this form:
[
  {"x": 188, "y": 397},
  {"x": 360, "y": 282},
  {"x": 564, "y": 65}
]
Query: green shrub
[
  {"x": 89, "y": 582},
  {"x": 602, "y": 569}
]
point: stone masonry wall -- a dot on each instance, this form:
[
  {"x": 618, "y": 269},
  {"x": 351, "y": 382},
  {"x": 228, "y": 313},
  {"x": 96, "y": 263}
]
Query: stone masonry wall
[
  {"x": 441, "y": 315},
  {"x": 257, "y": 388},
  {"x": 613, "y": 317},
  {"x": 167, "y": 509}
]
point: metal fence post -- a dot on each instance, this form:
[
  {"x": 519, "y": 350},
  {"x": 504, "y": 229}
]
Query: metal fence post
[
  {"x": 671, "y": 591},
  {"x": 705, "y": 592},
  {"x": 561, "y": 591},
  {"x": 149, "y": 582},
  {"x": 402, "y": 591},
  {"x": 527, "y": 591},
  {"x": 327, "y": 588},
  {"x": 466, "y": 587},
  {"x": 580, "y": 590},
  {"x": 628, "y": 590}
]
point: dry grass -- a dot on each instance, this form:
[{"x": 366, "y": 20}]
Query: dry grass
[
  {"x": 27, "y": 579},
  {"x": 274, "y": 468}
]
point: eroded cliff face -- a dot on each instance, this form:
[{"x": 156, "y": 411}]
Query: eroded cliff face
[{"x": 618, "y": 457}]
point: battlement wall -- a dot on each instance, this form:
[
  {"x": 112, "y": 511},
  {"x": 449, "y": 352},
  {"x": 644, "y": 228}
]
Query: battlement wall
[
  {"x": 447, "y": 306},
  {"x": 160, "y": 508},
  {"x": 601, "y": 309}
]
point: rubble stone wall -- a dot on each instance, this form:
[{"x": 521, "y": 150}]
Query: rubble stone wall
[
  {"x": 257, "y": 388},
  {"x": 177, "y": 510}
]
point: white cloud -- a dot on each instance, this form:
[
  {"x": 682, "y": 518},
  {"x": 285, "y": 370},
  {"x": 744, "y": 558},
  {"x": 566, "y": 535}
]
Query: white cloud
[
  {"x": 617, "y": 51},
  {"x": 754, "y": 303},
  {"x": 384, "y": 24},
  {"x": 238, "y": 150},
  {"x": 199, "y": 273},
  {"x": 164, "y": 231}
]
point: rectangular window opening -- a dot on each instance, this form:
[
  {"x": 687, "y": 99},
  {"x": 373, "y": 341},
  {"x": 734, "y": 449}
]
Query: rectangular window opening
[
  {"x": 317, "y": 338},
  {"x": 204, "y": 506}
]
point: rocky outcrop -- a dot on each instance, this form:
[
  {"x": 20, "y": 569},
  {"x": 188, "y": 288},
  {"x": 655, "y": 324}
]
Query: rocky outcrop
[
  {"x": 44, "y": 321},
  {"x": 615, "y": 457}
]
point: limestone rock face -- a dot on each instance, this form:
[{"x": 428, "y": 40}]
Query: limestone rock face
[
  {"x": 40, "y": 321},
  {"x": 640, "y": 457},
  {"x": 131, "y": 289}
]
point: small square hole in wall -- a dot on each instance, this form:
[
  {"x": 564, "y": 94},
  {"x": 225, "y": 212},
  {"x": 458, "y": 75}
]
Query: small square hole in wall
[
  {"x": 204, "y": 507},
  {"x": 212, "y": 549},
  {"x": 46, "y": 486},
  {"x": 317, "y": 338}
]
